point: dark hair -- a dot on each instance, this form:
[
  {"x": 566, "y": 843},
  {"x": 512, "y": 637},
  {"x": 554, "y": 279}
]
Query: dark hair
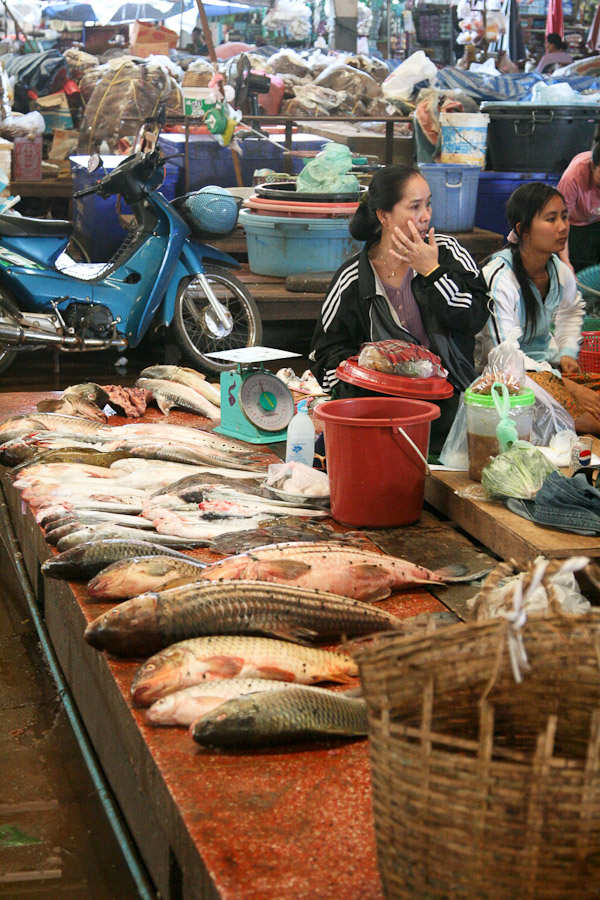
[
  {"x": 555, "y": 39},
  {"x": 595, "y": 154},
  {"x": 385, "y": 190},
  {"x": 522, "y": 207}
]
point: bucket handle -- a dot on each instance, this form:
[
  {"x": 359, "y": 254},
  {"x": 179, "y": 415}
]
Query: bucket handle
[{"x": 415, "y": 448}]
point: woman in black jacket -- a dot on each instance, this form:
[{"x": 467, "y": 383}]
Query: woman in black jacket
[{"x": 407, "y": 283}]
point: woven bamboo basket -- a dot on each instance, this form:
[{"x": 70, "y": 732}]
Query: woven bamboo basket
[{"x": 485, "y": 789}]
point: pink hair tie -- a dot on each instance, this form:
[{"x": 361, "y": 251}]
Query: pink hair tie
[{"x": 513, "y": 237}]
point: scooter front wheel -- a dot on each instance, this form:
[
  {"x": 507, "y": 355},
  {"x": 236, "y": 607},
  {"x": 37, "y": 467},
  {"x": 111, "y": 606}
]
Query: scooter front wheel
[
  {"x": 8, "y": 310},
  {"x": 198, "y": 331}
]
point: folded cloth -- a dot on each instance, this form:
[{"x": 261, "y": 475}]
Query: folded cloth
[{"x": 568, "y": 504}]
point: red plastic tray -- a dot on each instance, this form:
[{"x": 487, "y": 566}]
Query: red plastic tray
[{"x": 395, "y": 385}]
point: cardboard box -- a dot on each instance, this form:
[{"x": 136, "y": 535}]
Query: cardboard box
[
  {"x": 148, "y": 33},
  {"x": 27, "y": 158},
  {"x": 55, "y": 110},
  {"x": 144, "y": 50},
  {"x": 197, "y": 101}
]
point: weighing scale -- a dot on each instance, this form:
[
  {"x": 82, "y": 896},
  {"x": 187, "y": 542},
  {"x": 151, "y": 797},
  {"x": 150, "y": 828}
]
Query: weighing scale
[{"x": 256, "y": 406}]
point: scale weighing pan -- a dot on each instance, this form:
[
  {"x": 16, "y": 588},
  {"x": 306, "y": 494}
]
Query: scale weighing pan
[
  {"x": 281, "y": 190},
  {"x": 434, "y": 388}
]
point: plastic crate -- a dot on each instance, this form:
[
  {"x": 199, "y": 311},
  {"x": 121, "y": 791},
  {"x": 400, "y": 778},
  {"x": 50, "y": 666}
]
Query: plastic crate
[
  {"x": 589, "y": 355},
  {"x": 96, "y": 218},
  {"x": 493, "y": 192},
  {"x": 210, "y": 163}
]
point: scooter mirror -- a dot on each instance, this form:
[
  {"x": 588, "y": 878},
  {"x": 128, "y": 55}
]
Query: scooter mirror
[{"x": 94, "y": 163}]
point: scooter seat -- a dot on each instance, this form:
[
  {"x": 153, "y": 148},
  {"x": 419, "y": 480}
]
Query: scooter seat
[{"x": 21, "y": 226}]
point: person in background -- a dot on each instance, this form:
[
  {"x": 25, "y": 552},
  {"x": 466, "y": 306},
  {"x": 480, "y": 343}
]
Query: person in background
[
  {"x": 197, "y": 46},
  {"x": 580, "y": 186},
  {"x": 407, "y": 283},
  {"x": 555, "y": 54},
  {"x": 533, "y": 290}
]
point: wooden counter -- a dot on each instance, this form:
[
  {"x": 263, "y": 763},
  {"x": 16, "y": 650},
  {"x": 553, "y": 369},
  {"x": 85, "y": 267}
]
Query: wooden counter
[{"x": 283, "y": 824}]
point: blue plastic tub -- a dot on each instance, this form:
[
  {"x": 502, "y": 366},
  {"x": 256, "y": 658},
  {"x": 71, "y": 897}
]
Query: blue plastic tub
[
  {"x": 494, "y": 190},
  {"x": 453, "y": 195},
  {"x": 209, "y": 163},
  {"x": 95, "y": 218},
  {"x": 284, "y": 246}
]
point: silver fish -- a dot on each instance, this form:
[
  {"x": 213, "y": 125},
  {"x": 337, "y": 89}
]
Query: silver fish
[
  {"x": 130, "y": 577},
  {"x": 169, "y": 394}
]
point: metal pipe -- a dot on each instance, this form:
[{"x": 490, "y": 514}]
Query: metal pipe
[
  {"x": 15, "y": 334},
  {"x": 135, "y": 865}
]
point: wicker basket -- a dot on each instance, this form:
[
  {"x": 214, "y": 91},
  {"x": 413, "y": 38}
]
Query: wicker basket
[{"x": 485, "y": 789}]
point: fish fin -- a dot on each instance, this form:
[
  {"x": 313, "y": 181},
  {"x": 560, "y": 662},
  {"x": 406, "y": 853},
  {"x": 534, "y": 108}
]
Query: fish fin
[
  {"x": 297, "y": 634},
  {"x": 275, "y": 673},
  {"x": 459, "y": 572},
  {"x": 284, "y": 568},
  {"x": 375, "y": 579},
  {"x": 163, "y": 404},
  {"x": 224, "y": 666}
]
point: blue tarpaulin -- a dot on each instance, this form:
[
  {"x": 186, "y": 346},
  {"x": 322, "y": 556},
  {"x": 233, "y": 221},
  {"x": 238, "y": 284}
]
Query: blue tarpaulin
[{"x": 504, "y": 88}]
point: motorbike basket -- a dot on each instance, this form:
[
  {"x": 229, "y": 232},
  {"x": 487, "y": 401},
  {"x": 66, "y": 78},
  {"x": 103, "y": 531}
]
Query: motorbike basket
[{"x": 209, "y": 213}]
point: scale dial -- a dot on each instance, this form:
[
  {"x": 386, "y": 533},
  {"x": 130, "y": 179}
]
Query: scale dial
[{"x": 266, "y": 401}]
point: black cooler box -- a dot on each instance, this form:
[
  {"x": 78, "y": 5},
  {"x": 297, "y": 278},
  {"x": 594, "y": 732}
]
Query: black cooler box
[{"x": 523, "y": 137}]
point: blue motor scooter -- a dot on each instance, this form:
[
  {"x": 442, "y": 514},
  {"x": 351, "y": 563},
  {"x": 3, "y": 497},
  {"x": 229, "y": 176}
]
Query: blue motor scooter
[{"x": 158, "y": 278}]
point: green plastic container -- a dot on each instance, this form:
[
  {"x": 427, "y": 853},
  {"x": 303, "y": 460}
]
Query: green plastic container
[{"x": 482, "y": 420}]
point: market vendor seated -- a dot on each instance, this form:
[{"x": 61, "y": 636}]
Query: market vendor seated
[
  {"x": 580, "y": 186},
  {"x": 407, "y": 283},
  {"x": 533, "y": 290},
  {"x": 554, "y": 56}
]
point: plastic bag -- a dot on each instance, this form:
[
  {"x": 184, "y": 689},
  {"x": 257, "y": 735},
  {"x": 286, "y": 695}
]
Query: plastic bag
[
  {"x": 503, "y": 363},
  {"x": 401, "y": 358},
  {"x": 455, "y": 452},
  {"x": 409, "y": 73},
  {"x": 288, "y": 62},
  {"x": 297, "y": 478},
  {"x": 518, "y": 472},
  {"x": 549, "y": 417},
  {"x": 329, "y": 172},
  {"x": 21, "y": 126},
  {"x": 506, "y": 430},
  {"x": 339, "y": 77}
]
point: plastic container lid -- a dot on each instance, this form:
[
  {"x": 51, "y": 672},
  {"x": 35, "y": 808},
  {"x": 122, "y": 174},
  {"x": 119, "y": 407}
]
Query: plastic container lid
[
  {"x": 525, "y": 398},
  {"x": 433, "y": 388}
]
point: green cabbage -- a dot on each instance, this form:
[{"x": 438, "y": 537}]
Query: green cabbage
[{"x": 518, "y": 472}]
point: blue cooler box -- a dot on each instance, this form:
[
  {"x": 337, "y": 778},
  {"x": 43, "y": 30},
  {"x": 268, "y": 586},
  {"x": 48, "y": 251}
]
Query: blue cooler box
[
  {"x": 95, "y": 218},
  {"x": 494, "y": 190},
  {"x": 453, "y": 195},
  {"x": 210, "y": 163}
]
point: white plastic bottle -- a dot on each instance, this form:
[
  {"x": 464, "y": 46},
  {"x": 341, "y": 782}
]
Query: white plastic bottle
[{"x": 300, "y": 445}]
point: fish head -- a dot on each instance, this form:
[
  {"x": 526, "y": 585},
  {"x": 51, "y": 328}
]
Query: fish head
[
  {"x": 162, "y": 674},
  {"x": 127, "y": 630},
  {"x": 236, "y": 723},
  {"x": 65, "y": 565}
]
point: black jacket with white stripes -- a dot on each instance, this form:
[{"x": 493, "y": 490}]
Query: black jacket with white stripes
[{"x": 453, "y": 302}]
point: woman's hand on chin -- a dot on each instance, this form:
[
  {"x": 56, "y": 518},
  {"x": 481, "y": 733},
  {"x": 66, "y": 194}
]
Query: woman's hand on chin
[
  {"x": 568, "y": 365},
  {"x": 589, "y": 400},
  {"x": 421, "y": 256}
]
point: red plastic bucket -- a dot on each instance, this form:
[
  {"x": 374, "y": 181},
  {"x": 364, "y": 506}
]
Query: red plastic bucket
[{"x": 376, "y": 477}]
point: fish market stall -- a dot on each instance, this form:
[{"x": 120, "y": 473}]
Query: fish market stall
[{"x": 266, "y": 823}]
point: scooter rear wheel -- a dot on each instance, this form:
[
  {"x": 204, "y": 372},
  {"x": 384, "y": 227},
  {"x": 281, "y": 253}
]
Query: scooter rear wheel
[{"x": 195, "y": 329}]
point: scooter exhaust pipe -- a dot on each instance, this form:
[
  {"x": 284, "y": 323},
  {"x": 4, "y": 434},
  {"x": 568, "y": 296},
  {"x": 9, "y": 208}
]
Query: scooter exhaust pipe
[{"x": 15, "y": 334}]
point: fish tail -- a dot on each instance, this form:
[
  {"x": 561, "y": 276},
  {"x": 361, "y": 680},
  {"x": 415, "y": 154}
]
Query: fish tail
[{"x": 459, "y": 573}]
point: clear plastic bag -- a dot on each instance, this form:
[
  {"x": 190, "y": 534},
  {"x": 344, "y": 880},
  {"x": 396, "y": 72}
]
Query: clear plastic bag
[
  {"x": 455, "y": 452},
  {"x": 505, "y": 364},
  {"x": 549, "y": 416}
]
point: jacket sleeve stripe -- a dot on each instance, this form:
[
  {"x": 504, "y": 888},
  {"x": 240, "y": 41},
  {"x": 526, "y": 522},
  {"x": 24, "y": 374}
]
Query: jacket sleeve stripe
[
  {"x": 458, "y": 252},
  {"x": 332, "y": 302},
  {"x": 451, "y": 294}
]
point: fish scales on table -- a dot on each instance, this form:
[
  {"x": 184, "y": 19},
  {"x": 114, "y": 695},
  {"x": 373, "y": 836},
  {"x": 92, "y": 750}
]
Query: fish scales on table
[
  {"x": 281, "y": 717},
  {"x": 169, "y": 394},
  {"x": 185, "y": 706},
  {"x": 208, "y": 658},
  {"x": 130, "y": 577},
  {"x": 86, "y": 560},
  {"x": 150, "y": 622},
  {"x": 189, "y": 377},
  {"x": 350, "y": 571}
]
